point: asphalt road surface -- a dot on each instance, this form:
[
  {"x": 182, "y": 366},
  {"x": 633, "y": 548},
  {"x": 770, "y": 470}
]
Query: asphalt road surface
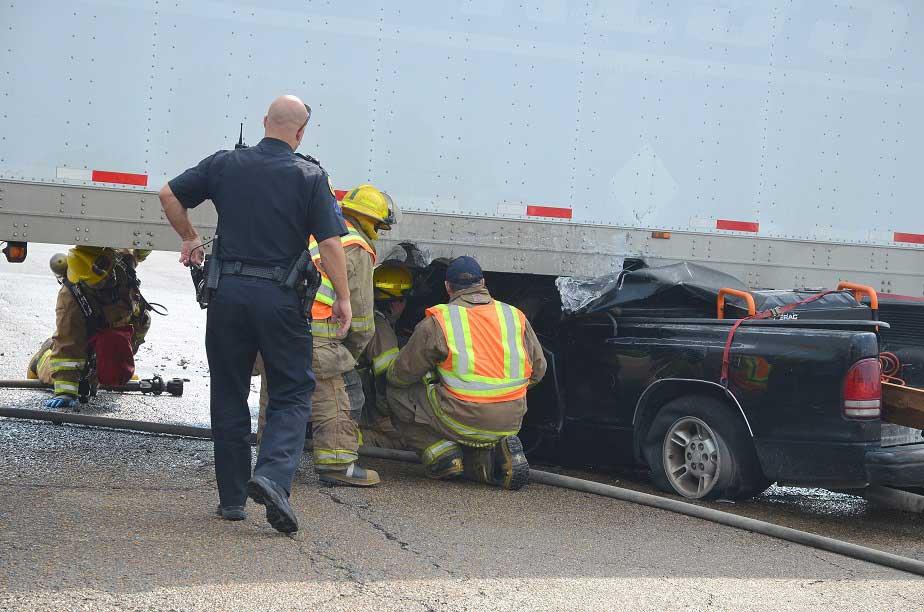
[{"x": 96, "y": 520}]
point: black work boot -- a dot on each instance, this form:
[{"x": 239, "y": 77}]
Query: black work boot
[
  {"x": 279, "y": 513},
  {"x": 478, "y": 464},
  {"x": 232, "y": 513},
  {"x": 510, "y": 465},
  {"x": 502, "y": 465},
  {"x": 448, "y": 465}
]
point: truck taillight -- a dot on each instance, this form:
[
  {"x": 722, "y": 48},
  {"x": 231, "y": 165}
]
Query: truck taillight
[
  {"x": 863, "y": 390},
  {"x": 16, "y": 252}
]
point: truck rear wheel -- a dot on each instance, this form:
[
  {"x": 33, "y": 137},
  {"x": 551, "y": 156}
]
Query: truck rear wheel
[{"x": 699, "y": 449}]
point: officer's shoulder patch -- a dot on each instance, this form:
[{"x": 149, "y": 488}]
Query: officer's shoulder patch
[{"x": 331, "y": 185}]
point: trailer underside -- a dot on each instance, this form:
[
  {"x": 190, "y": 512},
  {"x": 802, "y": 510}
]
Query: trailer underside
[{"x": 63, "y": 213}]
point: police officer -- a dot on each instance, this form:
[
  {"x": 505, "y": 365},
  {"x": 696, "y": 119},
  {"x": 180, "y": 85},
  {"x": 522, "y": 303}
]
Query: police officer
[{"x": 269, "y": 200}]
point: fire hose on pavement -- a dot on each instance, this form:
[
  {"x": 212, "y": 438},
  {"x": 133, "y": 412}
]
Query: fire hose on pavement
[
  {"x": 147, "y": 386},
  {"x": 805, "y": 538}
]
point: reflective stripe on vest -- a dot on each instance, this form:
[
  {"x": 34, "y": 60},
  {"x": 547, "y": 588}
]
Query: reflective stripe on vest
[
  {"x": 487, "y": 359},
  {"x": 324, "y": 298}
]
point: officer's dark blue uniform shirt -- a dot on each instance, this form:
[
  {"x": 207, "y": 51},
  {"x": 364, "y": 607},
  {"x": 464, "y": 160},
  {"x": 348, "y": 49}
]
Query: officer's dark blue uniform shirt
[{"x": 268, "y": 201}]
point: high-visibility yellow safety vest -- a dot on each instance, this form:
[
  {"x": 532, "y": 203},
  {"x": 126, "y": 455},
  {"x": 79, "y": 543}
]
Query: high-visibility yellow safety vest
[
  {"x": 487, "y": 359},
  {"x": 324, "y": 298}
]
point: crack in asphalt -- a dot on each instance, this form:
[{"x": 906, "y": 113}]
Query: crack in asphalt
[
  {"x": 323, "y": 561},
  {"x": 389, "y": 535},
  {"x": 837, "y": 565}
]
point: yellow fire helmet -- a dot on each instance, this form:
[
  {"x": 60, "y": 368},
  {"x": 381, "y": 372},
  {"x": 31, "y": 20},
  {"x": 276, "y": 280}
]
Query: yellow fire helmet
[
  {"x": 392, "y": 281},
  {"x": 371, "y": 203},
  {"x": 89, "y": 264}
]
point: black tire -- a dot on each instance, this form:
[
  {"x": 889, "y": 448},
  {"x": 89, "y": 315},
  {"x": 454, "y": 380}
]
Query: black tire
[{"x": 738, "y": 474}]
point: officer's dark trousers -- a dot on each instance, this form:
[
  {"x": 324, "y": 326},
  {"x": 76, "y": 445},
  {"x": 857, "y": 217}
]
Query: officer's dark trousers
[{"x": 249, "y": 314}]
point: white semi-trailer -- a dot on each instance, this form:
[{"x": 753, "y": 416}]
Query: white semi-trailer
[{"x": 773, "y": 139}]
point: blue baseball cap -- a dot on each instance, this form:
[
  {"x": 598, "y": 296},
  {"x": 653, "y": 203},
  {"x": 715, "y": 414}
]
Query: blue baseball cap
[{"x": 464, "y": 271}]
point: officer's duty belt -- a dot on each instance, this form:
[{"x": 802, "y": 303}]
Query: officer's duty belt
[{"x": 241, "y": 269}]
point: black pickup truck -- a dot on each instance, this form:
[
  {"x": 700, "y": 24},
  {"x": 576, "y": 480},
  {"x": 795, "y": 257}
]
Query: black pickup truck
[{"x": 636, "y": 378}]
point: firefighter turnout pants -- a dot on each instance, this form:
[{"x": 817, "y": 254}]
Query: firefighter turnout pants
[
  {"x": 64, "y": 361},
  {"x": 422, "y": 431},
  {"x": 337, "y": 405}
]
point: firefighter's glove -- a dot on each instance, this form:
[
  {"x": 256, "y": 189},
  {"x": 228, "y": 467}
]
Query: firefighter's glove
[{"x": 60, "y": 401}]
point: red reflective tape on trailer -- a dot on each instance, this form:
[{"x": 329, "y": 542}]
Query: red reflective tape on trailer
[
  {"x": 122, "y": 178},
  {"x": 905, "y": 237},
  {"x": 548, "y": 211},
  {"x": 737, "y": 226},
  {"x": 340, "y": 193}
]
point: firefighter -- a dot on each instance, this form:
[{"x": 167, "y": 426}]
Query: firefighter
[
  {"x": 338, "y": 396},
  {"x": 392, "y": 282},
  {"x": 457, "y": 389},
  {"x": 101, "y": 313}
]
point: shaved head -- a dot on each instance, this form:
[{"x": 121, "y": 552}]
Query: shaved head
[{"x": 286, "y": 120}]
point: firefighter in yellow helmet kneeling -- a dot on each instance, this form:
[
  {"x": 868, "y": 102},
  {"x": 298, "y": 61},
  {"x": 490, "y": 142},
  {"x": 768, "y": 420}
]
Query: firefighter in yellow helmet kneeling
[
  {"x": 337, "y": 401},
  {"x": 457, "y": 389},
  {"x": 392, "y": 282},
  {"x": 100, "y": 313}
]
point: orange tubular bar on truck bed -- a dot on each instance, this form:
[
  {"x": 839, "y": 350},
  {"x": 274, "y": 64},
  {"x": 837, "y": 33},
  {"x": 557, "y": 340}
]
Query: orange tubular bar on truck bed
[
  {"x": 859, "y": 291},
  {"x": 747, "y": 297}
]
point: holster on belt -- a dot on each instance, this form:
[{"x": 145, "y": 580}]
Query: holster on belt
[
  {"x": 305, "y": 279},
  {"x": 205, "y": 277}
]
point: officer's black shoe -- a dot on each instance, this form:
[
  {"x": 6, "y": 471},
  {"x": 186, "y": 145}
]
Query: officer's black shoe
[
  {"x": 232, "y": 513},
  {"x": 279, "y": 513}
]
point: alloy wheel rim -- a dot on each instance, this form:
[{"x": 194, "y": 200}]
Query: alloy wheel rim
[{"x": 691, "y": 457}]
